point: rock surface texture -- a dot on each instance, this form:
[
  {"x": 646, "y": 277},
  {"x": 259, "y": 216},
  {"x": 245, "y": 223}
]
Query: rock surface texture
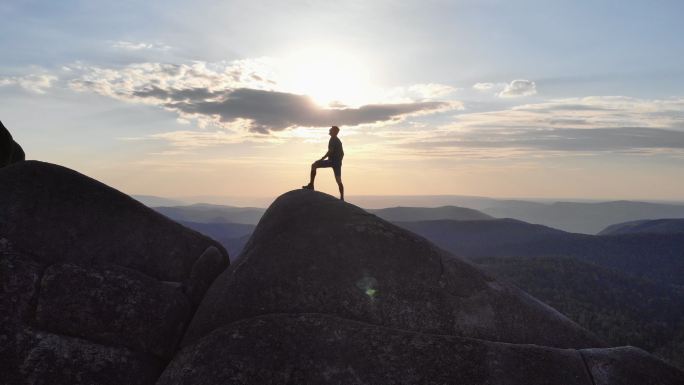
[
  {"x": 322, "y": 349},
  {"x": 95, "y": 287},
  {"x": 325, "y": 293}
]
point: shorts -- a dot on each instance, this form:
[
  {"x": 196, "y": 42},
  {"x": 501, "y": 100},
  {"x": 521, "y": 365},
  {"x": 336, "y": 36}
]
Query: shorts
[{"x": 336, "y": 166}]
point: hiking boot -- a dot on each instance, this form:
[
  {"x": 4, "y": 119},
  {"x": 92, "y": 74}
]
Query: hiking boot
[{"x": 308, "y": 186}]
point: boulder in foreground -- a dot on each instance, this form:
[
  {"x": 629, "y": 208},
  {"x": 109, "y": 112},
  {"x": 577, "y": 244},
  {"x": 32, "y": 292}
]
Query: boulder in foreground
[{"x": 95, "y": 288}]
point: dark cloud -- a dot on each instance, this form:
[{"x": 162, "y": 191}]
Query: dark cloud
[
  {"x": 565, "y": 139},
  {"x": 178, "y": 95},
  {"x": 276, "y": 111}
]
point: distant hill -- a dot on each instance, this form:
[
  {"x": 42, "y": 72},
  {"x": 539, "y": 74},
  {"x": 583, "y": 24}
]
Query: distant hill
[
  {"x": 231, "y": 226},
  {"x": 232, "y": 236},
  {"x": 236, "y": 245},
  {"x": 154, "y": 201},
  {"x": 660, "y": 226},
  {"x": 588, "y": 218},
  {"x": 222, "y": 230},
  {"x": 621, "y": 309},
  {"x": 658, "y": 257},
  {"x": 428, "y": 213},
  {"x": 477, "y": 238},
  {"x": 206, "y": 213}
]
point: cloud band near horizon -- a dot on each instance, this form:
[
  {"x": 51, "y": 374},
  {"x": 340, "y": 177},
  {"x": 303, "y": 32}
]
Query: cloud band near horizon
[{"x": 276, "y": 111}]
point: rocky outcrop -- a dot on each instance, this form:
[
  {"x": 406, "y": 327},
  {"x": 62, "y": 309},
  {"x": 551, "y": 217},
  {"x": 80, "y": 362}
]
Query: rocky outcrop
[
  {"x": 312, "y": 253},
  {"x": 95, "y": 288},
  {"x": 325, "y": 293},
  {"x": 10, "y": 151}
]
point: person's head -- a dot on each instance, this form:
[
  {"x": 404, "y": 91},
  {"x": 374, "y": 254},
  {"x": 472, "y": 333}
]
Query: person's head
[{"x": 334, "y": 130}]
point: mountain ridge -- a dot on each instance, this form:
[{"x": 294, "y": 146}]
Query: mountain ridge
[
  {"x": 511, "y": 238},
  {"x": 658, "y": 226}
]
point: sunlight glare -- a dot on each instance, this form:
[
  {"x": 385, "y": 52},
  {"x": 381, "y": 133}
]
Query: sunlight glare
[{"x": 332, "y": 78}]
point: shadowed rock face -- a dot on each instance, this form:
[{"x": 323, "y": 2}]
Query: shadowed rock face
[
  {"x": 118, "y": 306},
  {"x": 95, "y": 288},
  {"x": 10, "y": 151},
  {"x": 312, "y": 253},
  {"x": 58, "y": 215},
  {"x": 321, "y": 349},
  {"x": 36, "y": 357}
]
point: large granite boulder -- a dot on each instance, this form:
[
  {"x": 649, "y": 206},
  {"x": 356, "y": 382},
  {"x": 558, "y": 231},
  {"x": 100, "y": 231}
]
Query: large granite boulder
[
  {"x": 312, "y": 253},
  {"x": 95, "y": 288},
  {"x": 325, "y": 293},
  {"x": 56, "y": 215},
  {"x": 10, "y": 151}
]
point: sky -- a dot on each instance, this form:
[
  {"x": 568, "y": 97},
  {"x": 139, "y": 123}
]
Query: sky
[{"x": 549, "y": 99}]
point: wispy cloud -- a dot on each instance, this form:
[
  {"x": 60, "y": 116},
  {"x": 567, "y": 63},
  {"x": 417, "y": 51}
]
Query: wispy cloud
[
  {"x": 37, "y": 83},
  {"x": 139, "y": 46},
  {"x": 565, "y": 139},
  {"x": 422, "y": 92},
  {"x": 189, "y": 139},
  {"x": 484, "y": 86},
  {"x": 516, "y": 88},
  {"x": 519, "y": 87},
  {"x": 122, "y": 83},
  {"x": 590, "y": 125}
]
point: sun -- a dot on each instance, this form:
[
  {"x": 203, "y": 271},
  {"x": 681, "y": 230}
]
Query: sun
[{"x": 331, "y": 77}]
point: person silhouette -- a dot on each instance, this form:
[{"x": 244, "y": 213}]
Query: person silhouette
[{"x": 334, "y": 155}]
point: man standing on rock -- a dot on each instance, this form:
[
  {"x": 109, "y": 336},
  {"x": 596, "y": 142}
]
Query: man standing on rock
[{"x": 334, "y": 155}]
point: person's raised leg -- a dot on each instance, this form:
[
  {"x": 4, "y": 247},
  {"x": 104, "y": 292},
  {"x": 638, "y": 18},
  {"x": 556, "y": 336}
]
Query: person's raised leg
[{"x": 314, "y": 166}]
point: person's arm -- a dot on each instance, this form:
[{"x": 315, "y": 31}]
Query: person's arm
[{"x": 326, "y": 155}]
